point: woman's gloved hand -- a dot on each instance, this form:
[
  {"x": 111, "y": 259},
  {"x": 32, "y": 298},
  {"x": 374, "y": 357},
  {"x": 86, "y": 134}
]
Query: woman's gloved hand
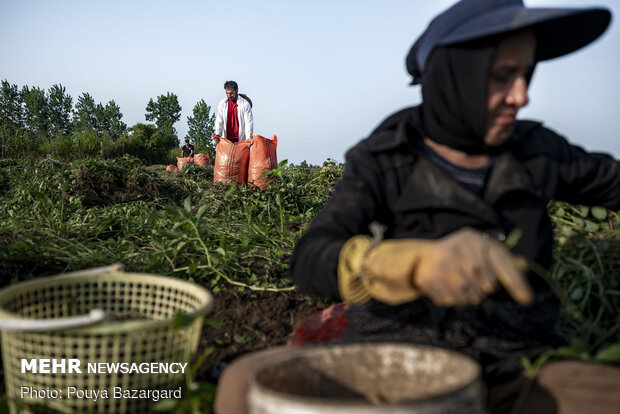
[{"x": 459, "y": 269}]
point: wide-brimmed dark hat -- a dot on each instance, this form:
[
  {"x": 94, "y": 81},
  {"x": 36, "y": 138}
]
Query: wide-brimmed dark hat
[{"x": 558, "y": 31}]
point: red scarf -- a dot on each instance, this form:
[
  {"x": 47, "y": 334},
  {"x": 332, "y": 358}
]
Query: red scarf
[{"x": 232, "y": 122}]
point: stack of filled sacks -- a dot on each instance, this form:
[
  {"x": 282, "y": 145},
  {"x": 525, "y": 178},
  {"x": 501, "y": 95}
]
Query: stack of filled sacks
[
  {"x": 198, "y": 159},
  {"x": 234, "y": 162}
]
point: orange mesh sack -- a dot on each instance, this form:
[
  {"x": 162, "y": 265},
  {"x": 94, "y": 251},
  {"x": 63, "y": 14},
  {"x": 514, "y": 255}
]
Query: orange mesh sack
[
  {"x": 172, "y": 168},
  {"x": 201, "y": 159},
  {"x": 263, "y": 158},
  {"x": 185, "y": 160},
  {"x": 231, "y": 160}
]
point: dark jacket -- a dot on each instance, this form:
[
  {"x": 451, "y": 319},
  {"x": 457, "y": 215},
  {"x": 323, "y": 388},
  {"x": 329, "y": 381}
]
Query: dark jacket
[{"x": 387, "y": 179}]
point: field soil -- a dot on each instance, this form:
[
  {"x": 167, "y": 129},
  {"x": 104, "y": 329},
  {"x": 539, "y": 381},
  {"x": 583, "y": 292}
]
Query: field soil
[{"x": 244, "y": 321}]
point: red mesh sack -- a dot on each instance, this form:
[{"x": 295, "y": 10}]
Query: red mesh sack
[
  {"x": 185, "y": 160},
  {"x": 328, "y": 325},
  {"x": 172, "y": 168},
  {"x": 201, "y": 159},
  {"x": 262, "y": 158},
  {"x": 231, "y": 160}
]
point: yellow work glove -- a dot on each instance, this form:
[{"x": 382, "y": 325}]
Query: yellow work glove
[{"x": 459, "y": 269}]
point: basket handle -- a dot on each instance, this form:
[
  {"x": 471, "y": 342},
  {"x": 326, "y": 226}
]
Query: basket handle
[{"x": 31, "y": 325}]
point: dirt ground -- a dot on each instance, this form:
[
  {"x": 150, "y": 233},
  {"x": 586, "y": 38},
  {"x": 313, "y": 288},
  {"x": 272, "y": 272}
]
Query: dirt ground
[{"x": 243, "y": 321}]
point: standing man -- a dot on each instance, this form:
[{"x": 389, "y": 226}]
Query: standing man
[
  {"x": 187, "y": 150},
  {"x": 234, "y": 119}
]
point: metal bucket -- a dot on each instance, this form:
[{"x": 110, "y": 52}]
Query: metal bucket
[{"x": 369, "y": 378}]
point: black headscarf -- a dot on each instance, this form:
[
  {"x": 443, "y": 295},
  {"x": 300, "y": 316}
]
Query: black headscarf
[{"x": 454, "y": 93}]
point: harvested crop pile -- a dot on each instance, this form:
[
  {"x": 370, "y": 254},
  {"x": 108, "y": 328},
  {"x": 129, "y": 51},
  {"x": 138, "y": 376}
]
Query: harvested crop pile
[{"x": 99, "y": 185}]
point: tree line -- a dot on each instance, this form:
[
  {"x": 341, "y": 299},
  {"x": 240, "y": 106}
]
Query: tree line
[{"x": 35, "y": 122}]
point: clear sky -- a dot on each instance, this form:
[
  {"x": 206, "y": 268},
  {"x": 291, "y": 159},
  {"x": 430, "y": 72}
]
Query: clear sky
[{"x": 321, "y": 74}]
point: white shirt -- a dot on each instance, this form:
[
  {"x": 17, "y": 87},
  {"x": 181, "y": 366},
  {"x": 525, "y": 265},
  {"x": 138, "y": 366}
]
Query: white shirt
[{"x": 246, "y": 119}]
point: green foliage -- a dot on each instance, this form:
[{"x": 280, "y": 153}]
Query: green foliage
[
  {"x": 198, "y": 397},
  {"x": 5, "y": 181},
  {"x": 20, "y": 145},
  {"x": 35, "y": 124},
  {"x": 11, "y": 115},
  {"x": 87, "y": 144},
  {"x": 148, "y": 143},
  {"x": 161, "y": 141},
  {"x": 173, "y": 153},
  {"x": 201, "y": 126},
  {"x": 85, "y": 115},
  {"x": 105, "y": 121},
  {"x": 587, "y": 269},
  {"x": 62, "y": 147},
  {"x": 198, "y": 173},
  {"x": 111, "y": 122},
  {"x": 36, "y": 113},
  {"x": 62, "y": 216},
  {"x": 165, "y": 111},
  {"x": 60, "y": 105}
]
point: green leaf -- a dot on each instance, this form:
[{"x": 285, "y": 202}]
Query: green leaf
[
  {"x": 165, "y": 405},
  {"x": 591, "y": 226},
  {"x": 609, "y": 354},
  {"x": 576, "y": 294},
  {"x": 579, "y": 223},
  {"x": 513, "y": 238},
  {"x": 566, "y": 230},
  {"x": 231, "y": 191},
  {"x": 599, "y": 213},
  {"x": 583, "y": 211},
  {"x": 187, "y": 204},
  {"x": 241, "y": 339},
  {"x": 213, "y": 323},
  {"x": 201, "y": 211},
  {"x": 182, "y": 319},
  {"x": 201, "y": 360}
]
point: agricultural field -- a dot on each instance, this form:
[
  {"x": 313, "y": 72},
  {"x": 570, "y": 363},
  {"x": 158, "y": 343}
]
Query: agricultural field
[{"x": 236, "y": 241}]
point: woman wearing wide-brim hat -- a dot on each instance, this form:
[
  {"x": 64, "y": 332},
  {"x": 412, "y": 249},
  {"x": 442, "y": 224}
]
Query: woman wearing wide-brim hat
[{"x": 412, "y": 236}]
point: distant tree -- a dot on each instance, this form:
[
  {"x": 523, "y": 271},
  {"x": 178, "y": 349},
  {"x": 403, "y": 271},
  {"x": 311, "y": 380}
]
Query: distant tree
[
  {"x": 11, "y": 114},
  {"x": 85, "y": 115},
  {"x": 11, "y": 111},
  {"x": 59, "y": 110},
  {"x": 201, "y": 127},
  {"x": 36, "y": 113},
  {"x": 165, "y": 112},
  {"x": 111, "y": 120}
]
